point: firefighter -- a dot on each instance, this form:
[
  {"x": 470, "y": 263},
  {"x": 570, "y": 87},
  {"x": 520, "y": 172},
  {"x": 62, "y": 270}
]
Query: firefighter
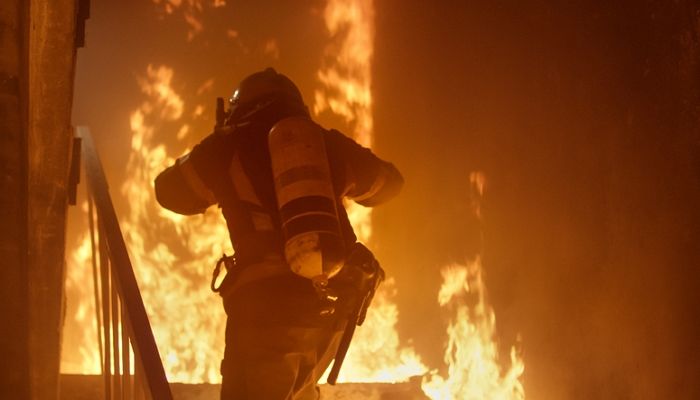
[{"x": 280, "y": 180}]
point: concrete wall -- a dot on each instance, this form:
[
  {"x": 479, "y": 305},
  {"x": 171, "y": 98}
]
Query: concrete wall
[
  {"x": 14, "y": 302},
  {"x": 52, "y": 59},
  {"x": 37, "y": 57}
]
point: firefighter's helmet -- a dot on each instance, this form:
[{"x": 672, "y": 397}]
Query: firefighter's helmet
[{"x": 261, "y": 89}]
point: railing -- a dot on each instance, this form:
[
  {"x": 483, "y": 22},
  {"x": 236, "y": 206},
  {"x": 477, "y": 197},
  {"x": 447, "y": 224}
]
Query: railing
[{"x": 123, "y": 325}]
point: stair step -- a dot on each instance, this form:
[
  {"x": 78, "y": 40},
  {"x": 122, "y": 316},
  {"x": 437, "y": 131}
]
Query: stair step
[{"x": 89, "y": 387}]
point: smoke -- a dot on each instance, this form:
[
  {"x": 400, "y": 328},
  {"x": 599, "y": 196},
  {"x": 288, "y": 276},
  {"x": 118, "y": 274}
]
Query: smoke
[{"x": 584, "y": 117}]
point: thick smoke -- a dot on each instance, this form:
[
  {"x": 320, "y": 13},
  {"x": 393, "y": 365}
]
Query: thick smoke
[{"x": 584, "y": 117}]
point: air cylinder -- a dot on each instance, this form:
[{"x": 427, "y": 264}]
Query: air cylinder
[{"x": 313, "y": 245}]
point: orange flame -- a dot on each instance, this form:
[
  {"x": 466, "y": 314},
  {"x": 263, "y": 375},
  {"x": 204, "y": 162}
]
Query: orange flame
[
  {"x": 191, "y": 10},
  {"x": 346, "y": 80},
  {"x": 376, "y": 354},
  {"x": 86, "y": 359},
  {"x": 471, "y": 354},
  {"x": 187, "y": 319}
]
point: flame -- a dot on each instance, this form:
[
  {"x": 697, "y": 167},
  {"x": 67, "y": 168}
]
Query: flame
[
  {"x": 347, "y": 77},
  {"x": 86, "y": 359},
  {"x": 346, "y": 80},
  {"x": 471, "y": 353},
  {"x": 192, "y": 12},
  {"x": 187, "y": 319},
  {"x": 474, "y": 371},
  {"x": 376, "y": 354}
]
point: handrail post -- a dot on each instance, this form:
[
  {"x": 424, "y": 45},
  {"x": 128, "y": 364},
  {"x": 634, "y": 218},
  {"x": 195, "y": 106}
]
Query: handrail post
[
  {"x": 106, "y": 347},
  {"x": 126, "y": 361},
  {"x": 116, "y": 356},
  {"x": 123, "y": 281},
  {"x": 95, "y": 280}
]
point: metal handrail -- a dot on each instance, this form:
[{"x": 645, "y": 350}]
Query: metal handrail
[{"x": 124, "y": 324}]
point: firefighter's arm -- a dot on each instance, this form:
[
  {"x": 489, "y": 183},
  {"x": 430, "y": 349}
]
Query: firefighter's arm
[
  {"x": 180, "y": 189},
  {"x": 384, "y": 183},
  {"x": 368, "y": 180},
  {"x": 190, "y": 185}
]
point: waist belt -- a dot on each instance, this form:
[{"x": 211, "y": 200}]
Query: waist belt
[{"x": 240, "y": 275}]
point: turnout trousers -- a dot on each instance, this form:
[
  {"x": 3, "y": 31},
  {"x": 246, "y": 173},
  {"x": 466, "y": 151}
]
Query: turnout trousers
[{"x": 277, "y": 343}]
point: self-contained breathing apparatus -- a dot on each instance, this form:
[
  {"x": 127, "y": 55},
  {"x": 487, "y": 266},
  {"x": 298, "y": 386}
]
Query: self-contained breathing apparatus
[{"x": 311, "y": 236}]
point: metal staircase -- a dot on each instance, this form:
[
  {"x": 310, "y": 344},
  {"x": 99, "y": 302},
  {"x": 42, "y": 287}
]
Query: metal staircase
[{"x": 122, "y": 320}]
